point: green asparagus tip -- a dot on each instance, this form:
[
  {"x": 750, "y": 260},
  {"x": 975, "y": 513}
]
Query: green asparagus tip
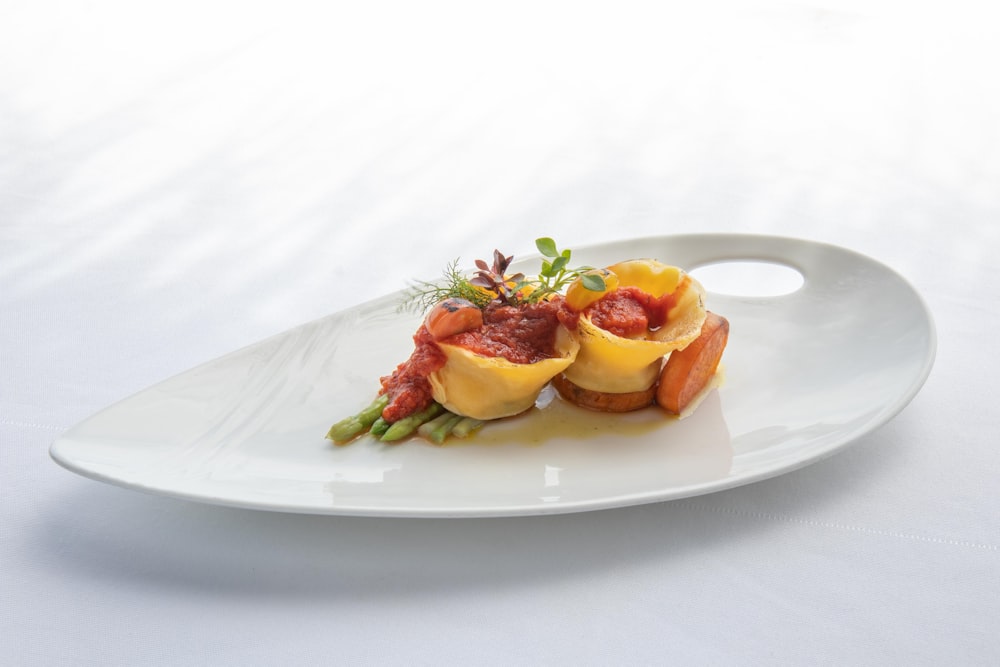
[
  {"x": 351, "y": 427},
  {"x": 345, "y": 430}
]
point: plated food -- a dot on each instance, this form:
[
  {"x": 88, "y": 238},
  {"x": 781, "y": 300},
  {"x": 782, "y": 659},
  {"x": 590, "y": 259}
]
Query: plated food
[
  {"x": 241, "y": 430},
  {"x": 617, "y": 339}
]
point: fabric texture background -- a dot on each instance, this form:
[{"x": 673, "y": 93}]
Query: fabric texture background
[{"x": 181, "y": 180}]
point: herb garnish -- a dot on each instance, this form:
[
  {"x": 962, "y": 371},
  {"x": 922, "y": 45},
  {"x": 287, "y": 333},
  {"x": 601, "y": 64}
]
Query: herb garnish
[
  {"x": 556, "y": 274},
  {"x": 424, "y": 294},
  {"x": 495, "y": 279},
  {"x": 491, "y": 283}
]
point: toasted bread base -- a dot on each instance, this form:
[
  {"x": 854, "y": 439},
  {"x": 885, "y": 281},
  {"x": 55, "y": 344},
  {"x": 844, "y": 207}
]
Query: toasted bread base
[{"x": 603, "y": 401}]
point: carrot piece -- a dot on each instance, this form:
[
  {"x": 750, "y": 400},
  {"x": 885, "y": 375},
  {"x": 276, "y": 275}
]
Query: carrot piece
[{"x": 687, "y": 371}]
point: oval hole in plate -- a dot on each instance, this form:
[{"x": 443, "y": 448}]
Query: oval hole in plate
[{"x": 748, "y": 277}]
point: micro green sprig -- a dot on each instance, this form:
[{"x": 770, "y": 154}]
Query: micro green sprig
[
  {"x": 556, "y": 274},
  {"x": 495, "y": 279}
]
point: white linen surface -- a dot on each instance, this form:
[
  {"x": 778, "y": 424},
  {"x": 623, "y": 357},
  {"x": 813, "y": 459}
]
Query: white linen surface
[{"x": 178, "y": 180}]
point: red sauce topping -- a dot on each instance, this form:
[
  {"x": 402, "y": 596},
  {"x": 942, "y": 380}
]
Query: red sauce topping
[
  {"x": 408, "y": 388},
  {"x": 523, "y": 335},
  {"x": 628, "y": 312}
]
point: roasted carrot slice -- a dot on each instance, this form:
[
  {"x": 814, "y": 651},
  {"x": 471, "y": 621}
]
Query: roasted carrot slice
[{"x": 688, "y": 371}]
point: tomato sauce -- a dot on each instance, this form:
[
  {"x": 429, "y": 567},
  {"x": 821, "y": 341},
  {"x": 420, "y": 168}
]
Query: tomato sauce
[
  {"x": 408, "y": 388},
  {"x": 522, "y": 335},
  {"x": 627, "y": 312}
]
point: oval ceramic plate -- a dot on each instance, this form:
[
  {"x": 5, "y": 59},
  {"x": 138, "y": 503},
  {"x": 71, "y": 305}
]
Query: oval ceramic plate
[{"x": 807, "y": 373}]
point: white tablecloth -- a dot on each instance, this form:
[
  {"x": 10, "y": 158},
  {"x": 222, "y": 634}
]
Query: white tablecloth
[{"x": 178, "y": 180}]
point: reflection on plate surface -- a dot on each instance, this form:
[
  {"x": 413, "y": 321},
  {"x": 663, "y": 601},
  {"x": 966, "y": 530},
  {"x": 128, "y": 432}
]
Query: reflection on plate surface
[{"x": 807, "y": 373}]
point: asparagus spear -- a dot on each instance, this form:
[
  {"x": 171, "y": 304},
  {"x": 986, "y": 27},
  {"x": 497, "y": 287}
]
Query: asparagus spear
[
  {"x": 352, "y": 426},
  {"x": 379, "y": 427},
  {"x": 437, "y": 429},
  {"x": 434, "y": 423},
  {"x": 345, "y": 430},
  {"x": 466, "y": 427},
  {"x": 407, "y": 425},
  {"x": 374, "y": 410}
]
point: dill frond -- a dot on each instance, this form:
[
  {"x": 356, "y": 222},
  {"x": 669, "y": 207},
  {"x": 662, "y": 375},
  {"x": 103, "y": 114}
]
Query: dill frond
[{"x": 423, "y": 294}]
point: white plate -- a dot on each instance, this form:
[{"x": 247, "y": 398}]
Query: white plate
[{"x": 807, "y": 373}]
